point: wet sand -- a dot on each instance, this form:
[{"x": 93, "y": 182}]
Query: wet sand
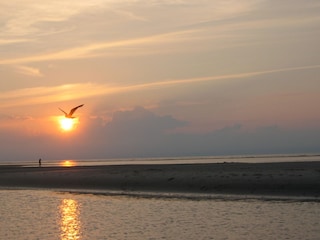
[{"x": 295, "y": 179}]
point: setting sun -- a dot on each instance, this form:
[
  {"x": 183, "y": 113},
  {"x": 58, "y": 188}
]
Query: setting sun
[{"x": 68, "y": 124}]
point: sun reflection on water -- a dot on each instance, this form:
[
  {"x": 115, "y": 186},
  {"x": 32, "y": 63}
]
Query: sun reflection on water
[
  {"x": 70, "y": 224},
  {"x": 68, "y": 163}
]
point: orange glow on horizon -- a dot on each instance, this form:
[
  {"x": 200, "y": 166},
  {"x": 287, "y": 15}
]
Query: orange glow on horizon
[{"x": 68, "y": 163}]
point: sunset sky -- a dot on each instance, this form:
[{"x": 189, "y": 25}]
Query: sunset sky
[{"x": 159, "y": 78}]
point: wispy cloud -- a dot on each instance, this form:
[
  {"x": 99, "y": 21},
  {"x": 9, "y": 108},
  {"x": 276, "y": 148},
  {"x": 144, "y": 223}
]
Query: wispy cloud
[
  {"x": 29, "y": 71},
  {"x": 27, "y": 14},
  {"x": 94, "y": 50},
  {"x": 222, "y": 32},
  {"x": 13, "y": 40},
  {"x": 44, "y": 95},
  {"x": 130, "y": 15},
  {"x": 39, "y": 19}
]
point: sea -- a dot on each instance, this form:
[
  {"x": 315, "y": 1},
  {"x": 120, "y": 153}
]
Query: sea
[
  {"x": 168, "y": 160},
  {"x": 75, "y": 214}
]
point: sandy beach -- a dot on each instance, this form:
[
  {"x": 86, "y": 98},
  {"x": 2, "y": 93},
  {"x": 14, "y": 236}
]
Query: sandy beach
[{"x": 296, "y": 178}]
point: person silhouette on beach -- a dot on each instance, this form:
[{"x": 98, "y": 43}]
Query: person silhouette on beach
[{"x": 39, "y": 162}]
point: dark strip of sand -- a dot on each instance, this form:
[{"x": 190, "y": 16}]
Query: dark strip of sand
[{"x": 295, "y": 178}]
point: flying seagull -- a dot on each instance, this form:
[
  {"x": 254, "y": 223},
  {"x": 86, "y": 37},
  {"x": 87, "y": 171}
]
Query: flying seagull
[{"x": 69, "y": 115}]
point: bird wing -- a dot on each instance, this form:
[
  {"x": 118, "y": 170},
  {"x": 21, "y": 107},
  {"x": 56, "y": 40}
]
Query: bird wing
[
  {"x": 74, "y": 109},
  {"x": 63, "y": 111}
]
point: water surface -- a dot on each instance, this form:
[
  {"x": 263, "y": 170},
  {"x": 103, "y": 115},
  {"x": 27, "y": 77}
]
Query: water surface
[
  {"x": 39, "y": 214},
  {"x": 171, "y": 160}
]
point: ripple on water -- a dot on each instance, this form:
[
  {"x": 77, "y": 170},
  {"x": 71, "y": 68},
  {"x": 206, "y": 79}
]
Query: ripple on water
[{"x": 35, "y": 214}]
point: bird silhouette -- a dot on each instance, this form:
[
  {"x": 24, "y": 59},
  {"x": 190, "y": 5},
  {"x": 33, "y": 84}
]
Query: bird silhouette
[{"x": 69, "y": 115}]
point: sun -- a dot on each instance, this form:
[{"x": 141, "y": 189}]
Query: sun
[{"x": 67, "y": 124}]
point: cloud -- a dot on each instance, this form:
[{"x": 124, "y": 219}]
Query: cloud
[
  {"x": 138, "y": 119},
  {"x": 94, "y": 50},
  {"x": 38, "y": 20},
  {"x": 43, "y": 95},
  {"x": 129, "y": 131},
  {"x": 141, "y": 133},
  {"x": 21, "y": 17},
  {"x": 29, "y": 71},
  {"x": 13, "y": 40},
  {"x": 226, "y": 34},
  {"x": 184, "y": 22}
]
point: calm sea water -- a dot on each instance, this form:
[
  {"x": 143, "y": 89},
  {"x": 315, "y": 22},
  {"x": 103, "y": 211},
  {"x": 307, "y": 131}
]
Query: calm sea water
[
  {"x": 39, "y": 214},
  {"x": 174, "y": 160}
]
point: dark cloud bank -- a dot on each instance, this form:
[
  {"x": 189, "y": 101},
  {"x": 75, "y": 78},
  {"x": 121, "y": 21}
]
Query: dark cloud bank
[{"x": 141, "y": 133}]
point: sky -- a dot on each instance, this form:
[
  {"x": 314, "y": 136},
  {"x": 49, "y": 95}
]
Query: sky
[{"x": 159, "y": 78}]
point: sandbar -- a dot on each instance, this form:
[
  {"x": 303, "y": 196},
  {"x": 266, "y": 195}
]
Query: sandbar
[{"x": 289, "y": 178}]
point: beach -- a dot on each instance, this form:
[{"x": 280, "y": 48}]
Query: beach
[{"x": 290, "y": 178}]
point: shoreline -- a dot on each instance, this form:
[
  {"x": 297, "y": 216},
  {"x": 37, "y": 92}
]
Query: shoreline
[{"x": 279, "y": 179}]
